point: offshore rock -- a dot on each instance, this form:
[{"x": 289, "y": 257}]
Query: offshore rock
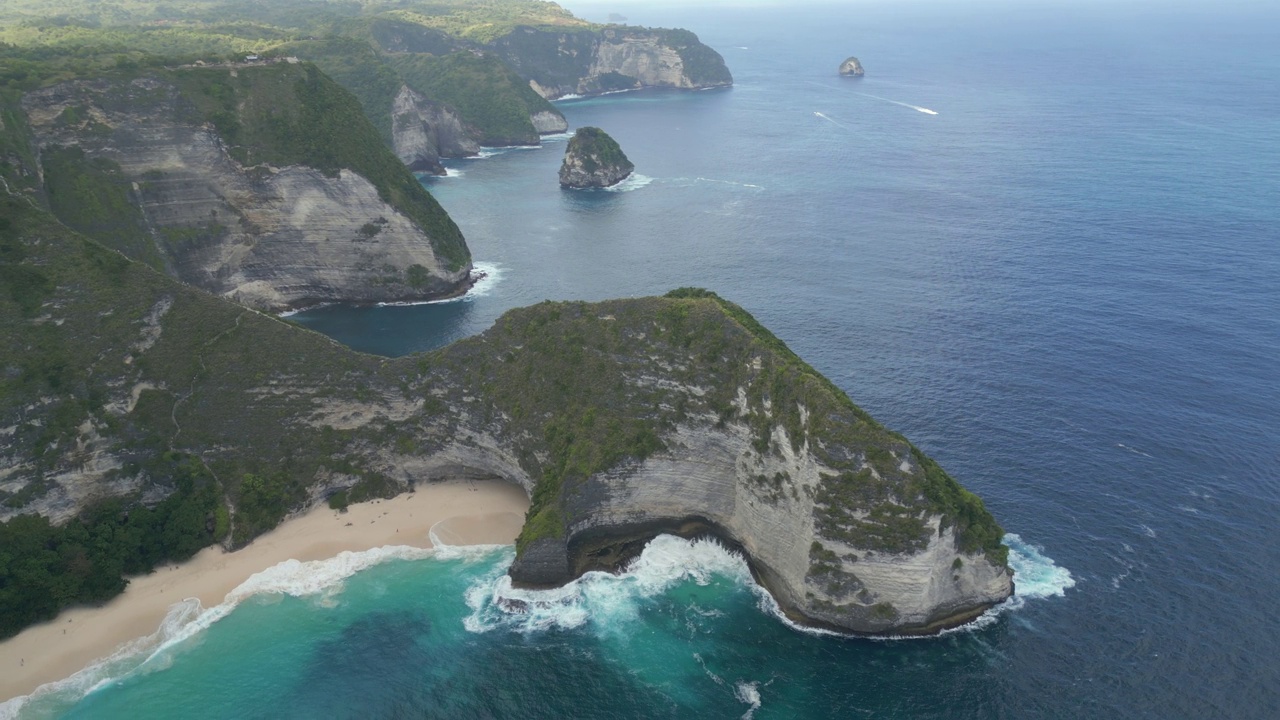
[
  {"x": 593, "y": 160},
  {"x": 851, "y": 68}
]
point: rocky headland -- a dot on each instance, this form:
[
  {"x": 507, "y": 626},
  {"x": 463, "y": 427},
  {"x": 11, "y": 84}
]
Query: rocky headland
[
  {"x": 594, "y": 61},
  {"x": 593, "y": 160},
  {"x": 203, "y": 421}
]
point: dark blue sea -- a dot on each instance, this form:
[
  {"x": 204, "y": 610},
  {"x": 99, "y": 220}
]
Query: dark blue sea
[{"x": 1041, "y": 240}]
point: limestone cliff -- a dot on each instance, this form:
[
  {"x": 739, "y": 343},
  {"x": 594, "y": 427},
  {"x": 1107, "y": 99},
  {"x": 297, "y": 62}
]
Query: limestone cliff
[
  {"x": 262, "y": 184},
  {"x": 586, "y": 62},
  {"x": 622, "y": 419},
  {"x": 424, "y": 132},
  {"x": 593, "y": 160},
  {"x": 851, "y": 68}
]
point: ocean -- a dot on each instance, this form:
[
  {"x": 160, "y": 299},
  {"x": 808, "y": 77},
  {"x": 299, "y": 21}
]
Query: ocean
[{"x": 1040, "y": 240}]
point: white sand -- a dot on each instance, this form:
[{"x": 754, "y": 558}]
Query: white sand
[{"x": 469, "y": 513}]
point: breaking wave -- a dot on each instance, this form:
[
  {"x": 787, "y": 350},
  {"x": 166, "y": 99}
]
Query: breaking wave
[
  {"x": 490, "y": 274},
  {"x": 322, "y": 579},
  {"x": 606, "y": 601},
  {"x": 633, "y": 182}
]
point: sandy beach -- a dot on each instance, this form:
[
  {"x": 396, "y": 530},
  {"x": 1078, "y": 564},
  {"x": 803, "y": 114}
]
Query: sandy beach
[{"x": 469, "y": 513}]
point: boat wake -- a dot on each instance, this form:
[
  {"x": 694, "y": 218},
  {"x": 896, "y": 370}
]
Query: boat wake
[
  {"x": 917, "y": 108},
  {"x": 832, "y": 121}
]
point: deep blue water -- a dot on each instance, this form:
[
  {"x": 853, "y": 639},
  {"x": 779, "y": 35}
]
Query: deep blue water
[{"x": 1064, "y": 286}]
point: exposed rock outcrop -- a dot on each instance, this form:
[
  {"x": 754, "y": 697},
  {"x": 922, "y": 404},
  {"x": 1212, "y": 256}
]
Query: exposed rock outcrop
[
  {"x": 616, "y": 58},
  {"x": 593, "y": 160},
  {"x": 273, "y": 237},
  {"x": 424, "y": 132},
  {"x": 851, "y": 68},
  {"x": 548, "y": 123}
]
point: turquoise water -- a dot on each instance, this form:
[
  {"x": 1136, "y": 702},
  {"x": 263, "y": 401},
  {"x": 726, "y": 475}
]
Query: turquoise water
[
  {"x": 683, "y": 633},
  {"x": 1065, "y": 286}
]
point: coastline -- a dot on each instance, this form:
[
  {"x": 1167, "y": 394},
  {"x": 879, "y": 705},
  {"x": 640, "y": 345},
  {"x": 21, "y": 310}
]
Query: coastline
[{"x": 467, "y": 513}]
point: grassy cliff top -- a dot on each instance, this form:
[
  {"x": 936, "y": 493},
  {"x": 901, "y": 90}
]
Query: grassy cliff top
[{"x": 597, "y": 148}]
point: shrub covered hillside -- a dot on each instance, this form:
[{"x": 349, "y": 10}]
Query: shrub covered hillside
[{"x": 489, "y": 95}]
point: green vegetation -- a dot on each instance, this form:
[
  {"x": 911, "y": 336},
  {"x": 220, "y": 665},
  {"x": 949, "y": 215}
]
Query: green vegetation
[
  {"x": 355, "y": 65},
  {"x": 285, "y": 114},
  {"x": 72, "y": 314},
  {"x": 897, "y": 502},
  {"x": 27, "y": 285},
  {"x": 224, "y": 420},
  {"x": 702, "y": 64},
  {"x": 597, "y": 149},
  {"x": 45, "y": 568},
  {"x": 485, "y": 20},
  {"x": 93, "y": 197},
  {"x": 488, "y": 94}
]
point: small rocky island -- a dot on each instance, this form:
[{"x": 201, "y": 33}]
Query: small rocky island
[
  {"x": 593, "y": 160},
  {"x": 851, "y": 68}
]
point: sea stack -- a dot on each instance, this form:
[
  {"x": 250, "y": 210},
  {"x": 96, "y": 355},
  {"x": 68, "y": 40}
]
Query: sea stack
[
  {"x": 851, "y": 68},
  {"x": 593, "y": 160}
]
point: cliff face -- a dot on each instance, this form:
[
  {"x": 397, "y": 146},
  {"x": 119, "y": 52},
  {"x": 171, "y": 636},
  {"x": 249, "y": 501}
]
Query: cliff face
[
  {"x": 593, "y": 160},
  {"x": 215, "y": 215},
  {"x": 423, "y": 132},
  {"x": 622, "y": 419},
  {"x": 586, "y": 62},
  {"x": 495, "y": 105}
]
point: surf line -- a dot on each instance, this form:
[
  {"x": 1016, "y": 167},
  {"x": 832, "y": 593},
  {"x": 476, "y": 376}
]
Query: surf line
[{"x": 917, "y": 108}]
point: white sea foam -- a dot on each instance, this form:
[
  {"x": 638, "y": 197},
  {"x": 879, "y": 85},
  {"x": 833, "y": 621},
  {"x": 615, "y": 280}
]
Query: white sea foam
[
  {"x": 490, "y": 274},
  {"x": 748, "y": 693},
  {"x": 633, "y": 182},
  {"x": 570, "y": 96},
  {"x": 488, "y": 152},
  {"x": 187, "y": 619},
  {"x": 606, "y": 600},
  {"x": 557, "y": 136},
  {"x": 291, "y": 313}
]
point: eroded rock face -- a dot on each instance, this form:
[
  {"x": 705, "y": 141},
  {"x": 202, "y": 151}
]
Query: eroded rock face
[
  {"x": 424, "y": 132},
  {"x": 589, "y": 63},
  {"x": 273, "y": 238},
  {"x": 851, "y": 68},
  {"x": 548, "y": 123},
  {"x": 593, "y": 160},
  {"x": 709, "y": 482}
]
